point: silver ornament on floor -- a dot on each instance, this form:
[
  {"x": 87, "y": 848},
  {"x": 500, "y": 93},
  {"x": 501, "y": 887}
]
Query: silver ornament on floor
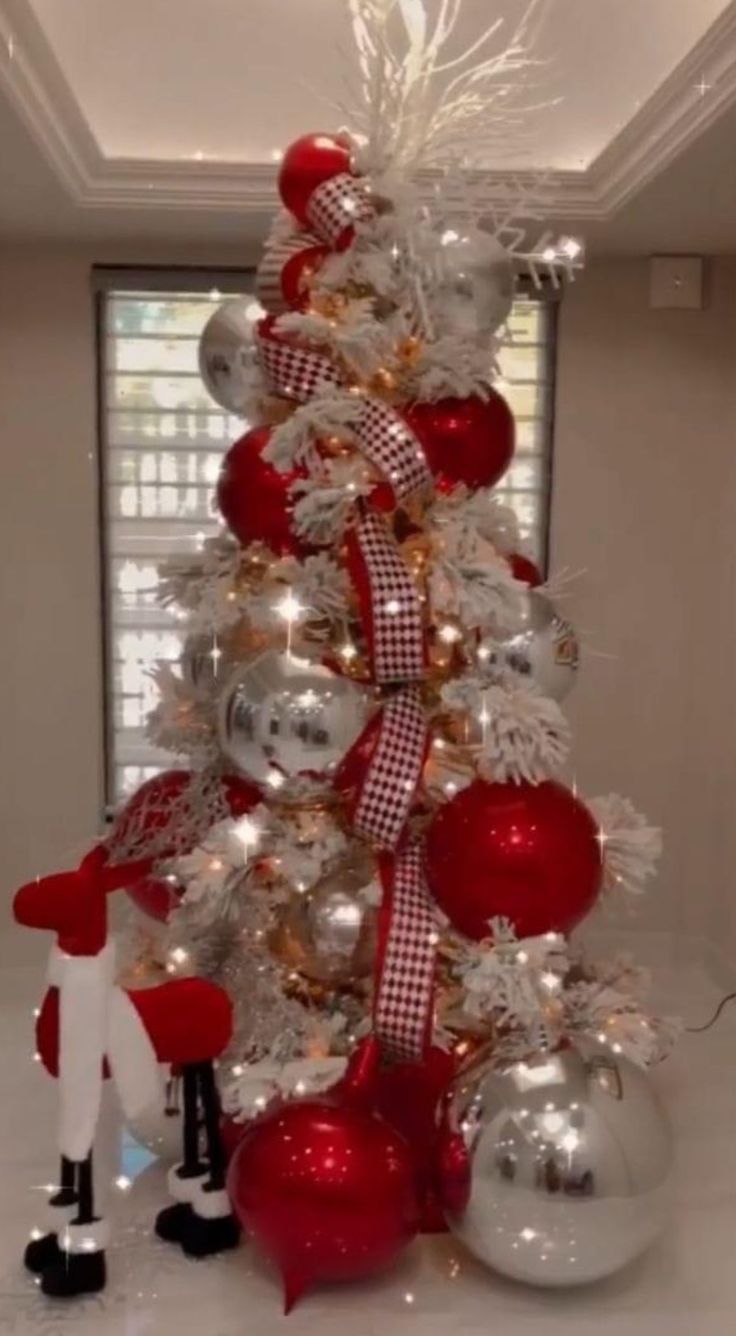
[
  {"x": 283, "y": 717},
  {"x": 330, "y": 933},
  {"x": 557, "y": 1168},
  {"x": 475, "y": 280},
  {"x": 227, "y": 354},
  {"x": 544, "y": 647}
]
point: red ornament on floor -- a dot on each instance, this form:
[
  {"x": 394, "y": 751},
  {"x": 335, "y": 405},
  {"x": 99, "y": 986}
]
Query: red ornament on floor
[
  {"x": 307, "y": 163},
  {"x": 523, "y": 568},
  {"x": 467, "y": 441},
  {"x": 527, "y": 852},
  {"x": 326, "y": 1186},
  {"x": 253, "y": 497}
]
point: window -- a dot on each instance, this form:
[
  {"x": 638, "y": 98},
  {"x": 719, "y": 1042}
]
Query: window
[{"x": 162, "y": 439}]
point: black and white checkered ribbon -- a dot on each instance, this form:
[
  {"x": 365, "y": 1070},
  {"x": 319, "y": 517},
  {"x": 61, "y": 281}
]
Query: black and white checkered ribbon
[
  {"x": 268, "y": 274},
  {"x": 389, "y": 443},
  {"x": 295, "y": 372},
  {"x": 394, "y": 771},
  {"x": 336, "y": 206},
  {"x": 395, "y": 612},
  {"x": 403, "y": 1001}
]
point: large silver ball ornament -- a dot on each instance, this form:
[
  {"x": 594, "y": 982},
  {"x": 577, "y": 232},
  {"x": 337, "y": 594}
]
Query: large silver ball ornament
[
  {"x": 568, "y": 1160},
  {"x": 543, "y": 647},
  {"x": 227, "y": 354},
  {"x": 475, "y": 289},
  {"x": 330, "y": 933},
  {"x": 283, "y": 717}
]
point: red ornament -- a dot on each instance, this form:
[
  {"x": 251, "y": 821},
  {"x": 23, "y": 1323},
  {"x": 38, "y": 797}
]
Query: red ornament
[
  {"x": 298, "y": 272},
  {"x": 253, "y": 496},
  {"x": 326, "y": 1186},
  {"x": 527, "y": 852},
  {"x": 522, "y": 568},
  {"x": 307, "y": 163},
  {"x": 408, "y": 1096},
  {"x": 467, "y": 441},
  {"x": 150, "y": 811},
  {"x": 155, "y": 897}
]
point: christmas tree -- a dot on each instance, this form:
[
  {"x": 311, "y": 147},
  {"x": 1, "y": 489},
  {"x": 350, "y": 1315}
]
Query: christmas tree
[{"x": 371, "y": 844}]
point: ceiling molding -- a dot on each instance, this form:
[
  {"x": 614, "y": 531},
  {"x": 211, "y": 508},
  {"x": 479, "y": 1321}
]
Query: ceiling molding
[{"x": 663, "y": 127}]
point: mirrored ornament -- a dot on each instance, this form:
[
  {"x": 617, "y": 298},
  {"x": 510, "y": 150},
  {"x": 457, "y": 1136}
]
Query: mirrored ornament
[
  {"x": 330, "y": 933},
  {"x": 475, "y": 283},
  {"x": 556, "y": 1170},
  {"x": 544, "y": 647},
  {"x": 227, "y": 353},
  {"x": 201, "y": 661},
  {"x": 283, "y": 717}
]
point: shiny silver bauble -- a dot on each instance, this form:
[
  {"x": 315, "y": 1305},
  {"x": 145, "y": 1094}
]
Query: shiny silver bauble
[
  {"x": 475, "y": 283},
  {"x": 329, "y": 934},
  {"x": 568, "y": 1157},
  {"x": 543, "y": 648},
  {"x": 284, "y": 717},
  {"x": 200, "y": 661},
  {"x": 227, "y": 354}
]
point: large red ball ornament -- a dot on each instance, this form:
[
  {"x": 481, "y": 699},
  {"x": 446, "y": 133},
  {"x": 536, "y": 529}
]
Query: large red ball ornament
[
  {"x": 298, "y": 273},
  {"x": 253, "y": 496},
  {"x": 526, "y": 852},
  {"x": 155, "y": 897},
  {"x": 467, "y": 441},
  {"x": 327, "y": 1189},
  {"x": 307, "y": 163}
]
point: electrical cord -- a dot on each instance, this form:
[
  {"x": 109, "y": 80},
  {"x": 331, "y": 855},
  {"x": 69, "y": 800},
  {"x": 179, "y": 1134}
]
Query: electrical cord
[{"x": 700, "y": 1029}]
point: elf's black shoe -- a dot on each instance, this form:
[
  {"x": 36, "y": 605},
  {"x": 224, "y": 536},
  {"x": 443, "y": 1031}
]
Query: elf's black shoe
[
  {"x": 44, "y": 1249},
  {"x": 172, "y": 1222},
  {"x": 74, "y": 1274},
  {"x": 206, "y": 1238}
]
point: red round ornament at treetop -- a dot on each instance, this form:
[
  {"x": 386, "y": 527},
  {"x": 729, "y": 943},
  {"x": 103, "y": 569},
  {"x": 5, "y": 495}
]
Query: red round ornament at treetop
[
  {"x": 326, "y": 1187},
  {"x": 523, "y": 568},
  {"x": 253, "y": 497},
  {"x": 468, "y": 441},
  {"x": 298, "y": 272},
  {"x": 526, "y": 852},
  {"x": 306, "y": 164}
]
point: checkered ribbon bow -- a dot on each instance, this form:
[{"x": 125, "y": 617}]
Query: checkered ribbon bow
[
  {"x": 394, "y": 771},
  {"x": 403, "y": 1002},
  {"x": 389, "y": 443},
  {"x": 394, "y": 615},
  {"x": 336, "y": 206},
  {"x": 295, "y": 372}
]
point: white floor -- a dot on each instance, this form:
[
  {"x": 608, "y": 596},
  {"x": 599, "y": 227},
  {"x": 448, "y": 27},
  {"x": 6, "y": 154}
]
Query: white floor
[{"x": 686, "y": 1286}]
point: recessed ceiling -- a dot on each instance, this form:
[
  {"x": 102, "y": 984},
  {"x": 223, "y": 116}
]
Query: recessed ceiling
[
  {"x": 149, "y": 117},
  {"x": 233, "y": 80}
]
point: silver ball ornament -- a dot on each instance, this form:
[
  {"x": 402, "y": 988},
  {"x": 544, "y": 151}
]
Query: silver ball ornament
[
  {"x": 475, "y": 290},
  {"x": 329, "y": 934},
  {"x": 284, "y": 717},
  {"x": 568, "y": 1159},
  {"x": 543, "y": 647},
  {"x": 227, "y": 354}
]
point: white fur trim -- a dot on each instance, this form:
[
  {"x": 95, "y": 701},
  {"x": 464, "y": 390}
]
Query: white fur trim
[
  {"x": 184, "y": 1189},
  {"x": 90, "y": 1238},
  {"x": 97, "y": 1020},
  {"x": 211, "y": 1205}
]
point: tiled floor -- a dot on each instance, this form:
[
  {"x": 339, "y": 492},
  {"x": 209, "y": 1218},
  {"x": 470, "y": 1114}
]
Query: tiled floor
[{"x": 685, "y": 1287}]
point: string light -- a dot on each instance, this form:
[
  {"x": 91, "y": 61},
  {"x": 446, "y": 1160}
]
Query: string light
[{"x": 289, "y": 609}]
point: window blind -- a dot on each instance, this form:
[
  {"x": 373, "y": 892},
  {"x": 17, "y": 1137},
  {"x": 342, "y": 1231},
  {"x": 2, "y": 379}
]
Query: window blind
[{"x": 162, "y": 440}]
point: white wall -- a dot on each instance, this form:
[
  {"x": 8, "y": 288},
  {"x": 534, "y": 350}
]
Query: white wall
[{"x": 643, "y": 480}]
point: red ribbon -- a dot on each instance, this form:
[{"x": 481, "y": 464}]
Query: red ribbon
[
  {"x": 394, "y": 770},
  {"x": 392, "y": 611},
  {"x": 290, "y": 369},
  {"x": 268, "y": 274},
  {"x": 336, "y": 206}
]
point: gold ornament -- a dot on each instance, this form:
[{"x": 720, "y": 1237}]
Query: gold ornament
[{"x": 329, "y": 935}]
